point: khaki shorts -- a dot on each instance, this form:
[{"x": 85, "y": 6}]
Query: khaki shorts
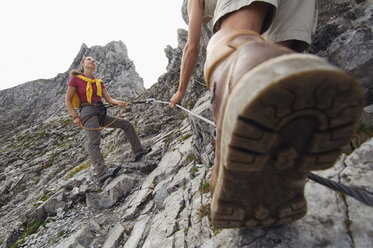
[{"x": 289, "y": 20}]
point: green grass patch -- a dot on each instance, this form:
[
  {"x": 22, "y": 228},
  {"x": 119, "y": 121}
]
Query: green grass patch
[
  {"x": 191, "y": 104},
  {"x": 42, "y": 133},
  {"x": 60, "y": 92},
  {"x": 28, "y": 144},
  {"x": 363, "y": 133},
  {"x": 203, "y": 211},
  {"x": 67, "y": 122},
  {"x": 65, "y": 144},
  {"x": 48, "y": 164},
  {"x": 31, "y": 229},
  {"x": 78, "y": 169},
  {"x": 23, "y": 137},
  {"x": 194, "y": 171},
  {"x": 156, "y": 128},
  {"x": 44, "y": 197},
  {"x": 62, "y": 137},
  {"x": 205, "y": 188},
  {"x": 191, "y": 158},
  {"x": 60, "y": 233},
  {"x": 108, "y": 150},
  {"x": 171, "y": 137},
  {"x": 186, "y": 136}
]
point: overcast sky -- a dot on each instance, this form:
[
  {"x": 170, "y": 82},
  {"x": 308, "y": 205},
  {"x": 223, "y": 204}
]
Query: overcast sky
[{"x": 40, "y": 38}]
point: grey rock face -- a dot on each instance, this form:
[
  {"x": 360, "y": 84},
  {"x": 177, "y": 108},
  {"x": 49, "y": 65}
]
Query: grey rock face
[
  {"x": 117, "y": 189},
  {"x": 344, "y": 36},
  {"x": 49, "y": 198}
]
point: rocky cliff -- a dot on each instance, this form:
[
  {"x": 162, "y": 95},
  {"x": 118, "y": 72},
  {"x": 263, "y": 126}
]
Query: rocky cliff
[{"x": 48, "y": 197}]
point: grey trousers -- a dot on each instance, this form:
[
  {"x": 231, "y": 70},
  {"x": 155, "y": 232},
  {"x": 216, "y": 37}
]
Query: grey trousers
[{"x": 94, "y": 137}]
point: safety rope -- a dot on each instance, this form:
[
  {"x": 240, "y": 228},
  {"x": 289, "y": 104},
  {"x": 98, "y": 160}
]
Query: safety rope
[
  {"x": 187, "y": 110},
  {"x": 358, "y": 194}
]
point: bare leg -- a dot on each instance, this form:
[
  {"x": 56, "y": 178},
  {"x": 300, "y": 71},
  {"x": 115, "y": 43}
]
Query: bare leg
[
  {"x": 250, "y": 17},
  {"x": 286, "y": 43}
]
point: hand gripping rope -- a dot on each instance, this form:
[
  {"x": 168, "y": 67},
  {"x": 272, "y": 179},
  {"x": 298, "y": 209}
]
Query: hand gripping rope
[{"x": 359, "y": 194}]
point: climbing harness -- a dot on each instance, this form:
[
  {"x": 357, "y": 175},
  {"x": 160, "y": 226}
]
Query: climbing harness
[
  {"x": 101, "y": 118},
  {"x": 147, "y": 101},
  {"x": 359, "y": 194}
]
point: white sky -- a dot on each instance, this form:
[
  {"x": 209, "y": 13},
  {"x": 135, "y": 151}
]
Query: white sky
[{"x": 40, "y": 38}]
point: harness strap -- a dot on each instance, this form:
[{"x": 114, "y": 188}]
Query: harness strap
[
  {"x": 88, "y": 117},
  {"x": 100, "y": 112}
]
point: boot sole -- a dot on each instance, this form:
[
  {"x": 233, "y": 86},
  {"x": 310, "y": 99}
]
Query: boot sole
[
  {"x": 112, "y": 174},
  {"x": 286, "y": 117}
]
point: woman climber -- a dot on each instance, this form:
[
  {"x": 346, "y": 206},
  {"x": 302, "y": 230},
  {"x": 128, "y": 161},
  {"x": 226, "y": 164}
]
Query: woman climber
[{"x": 85, "y": 91}]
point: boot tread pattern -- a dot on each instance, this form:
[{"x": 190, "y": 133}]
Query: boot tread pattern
[{"x": 289, "y": 130}]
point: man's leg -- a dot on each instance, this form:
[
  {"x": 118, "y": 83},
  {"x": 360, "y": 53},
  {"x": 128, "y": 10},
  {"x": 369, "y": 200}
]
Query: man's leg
[
  {"x": 278, "y": 115},
  {"x": 249, "y": 18}
]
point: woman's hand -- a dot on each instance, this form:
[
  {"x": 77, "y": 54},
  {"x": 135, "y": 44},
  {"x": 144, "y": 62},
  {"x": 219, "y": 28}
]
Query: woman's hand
[
  {"x": 121, "y": 104},
  {"x": 77, "y": 121}
]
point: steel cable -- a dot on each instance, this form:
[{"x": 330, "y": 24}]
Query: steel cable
[{"x": 359, "y": 194}]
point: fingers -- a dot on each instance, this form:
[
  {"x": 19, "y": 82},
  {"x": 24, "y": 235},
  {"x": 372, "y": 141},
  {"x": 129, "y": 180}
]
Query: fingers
[
  {"x": 124, "y": 104},
  {"x": 173, "y": 102},
  {"x": 77, "y": 122},
  {"x": 177, "y": 97}
]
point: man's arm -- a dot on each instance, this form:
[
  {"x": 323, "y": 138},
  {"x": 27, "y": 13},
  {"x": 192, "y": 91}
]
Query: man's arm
[{"x": 191, "y": 50}]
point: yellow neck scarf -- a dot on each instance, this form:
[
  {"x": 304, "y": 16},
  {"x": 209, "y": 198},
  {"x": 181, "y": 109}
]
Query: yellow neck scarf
[{"x": 89, "y": 90}]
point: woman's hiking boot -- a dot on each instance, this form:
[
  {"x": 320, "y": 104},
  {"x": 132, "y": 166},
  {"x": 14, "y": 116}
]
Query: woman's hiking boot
[
  {"x": 141, "y": 153},
  {"x": 278, "y": 116},
  {"x": 110, "y": 172}
]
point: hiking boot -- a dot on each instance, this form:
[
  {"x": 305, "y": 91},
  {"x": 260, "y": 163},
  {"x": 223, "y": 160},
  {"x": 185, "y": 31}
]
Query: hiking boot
[
  {"x": 142, "y": 152},
  {"x": 110, "y": 172},
  {"x": 278, "y": 116}
]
